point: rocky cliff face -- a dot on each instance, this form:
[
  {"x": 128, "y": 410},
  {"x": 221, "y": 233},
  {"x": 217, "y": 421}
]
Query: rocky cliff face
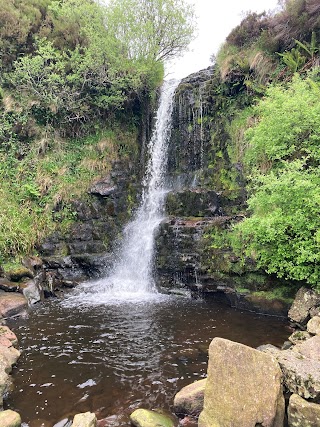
[{"x": 207, "y": 196}]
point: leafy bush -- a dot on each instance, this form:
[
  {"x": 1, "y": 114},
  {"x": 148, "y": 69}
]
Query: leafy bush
[
  {"x": 288, "y": 125},
  {"x": 282, "y": 233},
  {"x": 283, "y": 156}
]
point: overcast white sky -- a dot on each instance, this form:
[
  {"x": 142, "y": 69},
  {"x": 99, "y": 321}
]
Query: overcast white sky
[{"x": 215, "y": 20}]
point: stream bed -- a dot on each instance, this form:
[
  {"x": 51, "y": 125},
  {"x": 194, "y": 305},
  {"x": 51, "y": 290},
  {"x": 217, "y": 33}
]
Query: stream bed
[{"x": 114, "y": 358}]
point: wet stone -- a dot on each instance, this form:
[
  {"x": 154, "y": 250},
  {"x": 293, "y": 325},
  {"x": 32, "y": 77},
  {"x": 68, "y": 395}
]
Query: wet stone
[
  {"x": 87, "y": 419},
  {"x": 189, "y": 400},
  {"x": 146, "y": 418},
  {"x": 12, "y": 304},
  {"x": 10, "y": 419}
]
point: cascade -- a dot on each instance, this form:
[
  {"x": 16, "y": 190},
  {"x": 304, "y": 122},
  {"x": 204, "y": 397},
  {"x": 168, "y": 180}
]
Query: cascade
[{"x": 131, "y": 275}]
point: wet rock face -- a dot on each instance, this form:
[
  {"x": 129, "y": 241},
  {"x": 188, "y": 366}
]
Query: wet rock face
[
  {"x": 82, "y": 252},
  {"x": 207, "y": 197},
  {"x": 191, "y": 131},
  {"x": 193, "y": 203}
]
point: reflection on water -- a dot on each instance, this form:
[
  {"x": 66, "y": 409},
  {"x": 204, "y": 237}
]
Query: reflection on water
[{"x": 113, "y": 359}]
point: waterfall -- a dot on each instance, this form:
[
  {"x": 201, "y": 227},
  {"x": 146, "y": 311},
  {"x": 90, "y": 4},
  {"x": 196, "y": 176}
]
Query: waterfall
[{"x": 131, "y": 275}]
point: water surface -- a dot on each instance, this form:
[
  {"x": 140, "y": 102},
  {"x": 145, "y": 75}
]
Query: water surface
[{"x": 112, "y": 359}]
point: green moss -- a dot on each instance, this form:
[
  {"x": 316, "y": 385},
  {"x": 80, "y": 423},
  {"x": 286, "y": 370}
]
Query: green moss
[{"x": 281, "y": 293}]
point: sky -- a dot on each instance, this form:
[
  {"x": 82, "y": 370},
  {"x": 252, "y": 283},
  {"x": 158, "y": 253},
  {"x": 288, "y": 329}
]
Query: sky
[{"x": 216, "y": 18}]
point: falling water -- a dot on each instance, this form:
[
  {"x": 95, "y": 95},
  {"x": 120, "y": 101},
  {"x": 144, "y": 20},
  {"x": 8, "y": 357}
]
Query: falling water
[{"x": 131, "y": 276}]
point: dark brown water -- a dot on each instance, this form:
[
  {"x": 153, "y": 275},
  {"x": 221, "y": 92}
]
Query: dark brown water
[{"x": 115, "y": 358}]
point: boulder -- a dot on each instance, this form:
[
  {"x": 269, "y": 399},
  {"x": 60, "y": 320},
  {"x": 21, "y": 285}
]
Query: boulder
[
  {"x": 87, "y": 419},
  {"x": 243, "y": 388},
  {"x": 305, "y": 301},
  {"x": 33, "y": 263},
  {"x": 189, "y": 400},
  {"x": 12, "y": 304},
  {"x": 31, "y": 292},
  {"x": 19, "y": 273},
  {"x": 11, "y": 355},
  {"x": 105, "y": 187},
  {"x": 299, "y": 336},
  {"x": 301, "y": 375},
  {"x": 302, "y": 413},
  {"x": 7, "y": 333},
  {"x": 146, "y": 418},
  {"x": 10, "y": 418},
  {"x": 4, "y": 379},
  {"x": 313, "y": 326},
  {"x": 309, "y": 348}
]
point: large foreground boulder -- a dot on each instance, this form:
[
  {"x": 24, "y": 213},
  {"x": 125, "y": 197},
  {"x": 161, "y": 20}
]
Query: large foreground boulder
[
  {"x": 189, "y": 400},
  {"x": 243, "y": 388},
  {"x": 302, "y": 413}
]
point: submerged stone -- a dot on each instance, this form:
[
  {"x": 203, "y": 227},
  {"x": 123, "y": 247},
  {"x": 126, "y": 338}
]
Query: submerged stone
[
  {"x": 302, "y": 413},
  {"x": 243, "y": 388},
  {"x": 147, "y": 418},
  {"x": 189, "y": 400},
  {"x": 10, "y": 418}
]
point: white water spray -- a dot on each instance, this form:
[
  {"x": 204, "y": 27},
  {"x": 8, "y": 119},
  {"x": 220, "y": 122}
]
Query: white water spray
[{"x": 131, "y": 276}]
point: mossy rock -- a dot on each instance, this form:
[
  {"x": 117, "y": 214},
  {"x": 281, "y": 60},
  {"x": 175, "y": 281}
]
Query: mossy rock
[
  {"x": 147, "y": 418},
  {"x": 18, "y": 273}
]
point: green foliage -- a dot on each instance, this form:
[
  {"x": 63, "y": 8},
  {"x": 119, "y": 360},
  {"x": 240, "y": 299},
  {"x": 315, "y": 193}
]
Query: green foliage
[
  {"x": 37, "y": 190},
  {"x": 288, "y": 125},
  {"x": 282, "y": 233},
  {"x": 80, "y": 61},
  {"x": 293, "y": 60}
]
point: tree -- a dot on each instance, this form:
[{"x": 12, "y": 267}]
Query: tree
[{"x": 157, "y": 30}]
